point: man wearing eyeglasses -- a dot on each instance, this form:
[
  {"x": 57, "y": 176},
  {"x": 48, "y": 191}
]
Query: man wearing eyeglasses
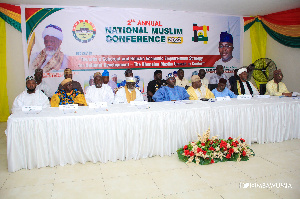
[{"x": 225, "y": 50}]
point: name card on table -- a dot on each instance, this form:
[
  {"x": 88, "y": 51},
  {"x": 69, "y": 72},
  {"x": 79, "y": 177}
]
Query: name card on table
[
  {"x": 227, "y": 98},
  {"x": 263, "y": 96},
  {"x": 98, "y": 105},
  {"x": 32, "y": 109},
  {"x": 68, "y": 107},
  {"x": 244, "y": 97}
]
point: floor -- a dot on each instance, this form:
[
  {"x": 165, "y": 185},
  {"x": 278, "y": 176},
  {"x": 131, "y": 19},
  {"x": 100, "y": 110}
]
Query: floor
[{"x": 275, "y": 168}]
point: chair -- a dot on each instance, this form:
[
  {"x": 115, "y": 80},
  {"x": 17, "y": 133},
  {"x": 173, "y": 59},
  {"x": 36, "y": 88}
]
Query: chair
[
  {"x": 212, "y": 86},
  {"x": 262, "y": 89}
]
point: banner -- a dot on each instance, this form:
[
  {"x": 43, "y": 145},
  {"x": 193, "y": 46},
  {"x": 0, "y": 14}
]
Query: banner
[{"x": 92, "y": 39}]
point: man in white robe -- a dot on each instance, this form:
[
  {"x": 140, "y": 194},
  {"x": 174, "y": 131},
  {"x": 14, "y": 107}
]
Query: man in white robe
[
  {"x": 128, "y": 93},
  {"x": 99, "y": 92},
  {"x": 243, "y": 86},
  {"x": 40, "y": 84},
  {"x": 30, "y": 97}
]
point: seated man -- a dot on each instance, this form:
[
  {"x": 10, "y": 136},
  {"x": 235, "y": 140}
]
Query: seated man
[
  {"x": 67, "y": 95},
  {"x": 75, "y": 84},
  {"x": 128, "y": 73},
  {"x": 40, "y": 84},
  {"x": 243, "y": 86},
  {"x": 31, "y": 96},
  {"x": 222, "y": 91},
  {"x": 170, "y": 92},
  {"x": 197, "y": 90},
  {"x": 180, "y": 79},
  {"x": 106, "y": 81},
  {"x": 277, "y": 88},
  {"x": 215, "y": 78},
  {"x": 128, "y": 93},
  {"x": 155, "y": 84},
  {"x": 233, "y": 78},
  {"x": 202, "y": 74},
  {"x": 99, "y": 92}
]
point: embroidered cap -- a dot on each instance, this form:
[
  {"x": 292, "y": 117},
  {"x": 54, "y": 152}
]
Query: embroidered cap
[
  {"x": 195, "y": 78},
  {"x": 130, "y": 79},
  {"x": 97, "y": 74},
  {"x": 226, "y": 37},
  {"x": 29, "y": 78},
  {"x": 53, "y": 30},
  {"x": 105, "y": 73},
  {"x": 195, "y": 73},
  {"x": 67, "y": 71},
  {"x": 170, "y": 75},
  {"x": 66, "y": 81},
  {"x": 241, "y": 70}
]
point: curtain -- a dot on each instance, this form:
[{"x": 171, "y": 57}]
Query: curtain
[{"x": 4, "y": 109}]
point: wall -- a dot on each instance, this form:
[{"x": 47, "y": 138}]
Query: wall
[{"x": 286, "y": 58}]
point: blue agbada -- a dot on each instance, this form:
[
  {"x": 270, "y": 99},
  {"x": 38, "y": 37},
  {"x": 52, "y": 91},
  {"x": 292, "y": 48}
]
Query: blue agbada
[
  {"x": 166, "y": 93},
  {"x": 224, "y": 93}
]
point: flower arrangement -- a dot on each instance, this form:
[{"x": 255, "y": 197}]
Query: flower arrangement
[{"x": 207, "y": 151}]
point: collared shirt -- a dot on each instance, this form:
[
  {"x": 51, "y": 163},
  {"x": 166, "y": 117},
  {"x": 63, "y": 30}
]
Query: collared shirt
[
  {"x": 166, "y": 93},
  {"x": 275, "y": 89},
  {"x": 214, "y": 79},
  {"x": 103, "y": 94},
  {"x": 44, "y": 87},
  {"x": 202, "y": 92},
  {"x": 182, "y": 83},
  {"x": 224, "y": 93},
  {"x": 38, "y": 98}
]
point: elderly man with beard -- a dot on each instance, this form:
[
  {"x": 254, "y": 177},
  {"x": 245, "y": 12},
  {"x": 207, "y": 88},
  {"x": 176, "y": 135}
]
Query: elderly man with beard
[
  {"x": 99, "y": 92},
  {"x": 50, "y": 58},
  {"x": 170, "y": 92},
  {"x": 198, "y": 91},
  {"x": 67, "y": 95},
  {"x": 243, "y": 86},
  {"x": 277, "y": 88},
  {"x": 31, "y": 96},
  {"x": 225, "y": 50},
  {"x": 222, "y": 91},
  {"x": 128, "y": 93}
]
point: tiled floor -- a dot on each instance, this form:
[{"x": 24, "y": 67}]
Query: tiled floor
[{"x": 160, "y": 177}]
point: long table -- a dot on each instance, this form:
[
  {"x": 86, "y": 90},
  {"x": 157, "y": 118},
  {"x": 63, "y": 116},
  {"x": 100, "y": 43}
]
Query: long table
[{"x": 123, "y": 132}]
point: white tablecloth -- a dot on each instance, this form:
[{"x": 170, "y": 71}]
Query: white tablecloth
[{"x": 123, "y": 132}]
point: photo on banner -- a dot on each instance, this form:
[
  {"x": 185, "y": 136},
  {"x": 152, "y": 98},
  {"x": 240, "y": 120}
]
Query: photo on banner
[{"x": 94, "y": 39}]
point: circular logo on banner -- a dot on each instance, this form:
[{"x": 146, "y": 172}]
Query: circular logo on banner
[{"x": 84, "y": 31}]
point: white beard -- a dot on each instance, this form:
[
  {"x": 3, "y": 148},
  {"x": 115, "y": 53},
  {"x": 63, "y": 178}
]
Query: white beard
[{"x": 50, "y": 53}]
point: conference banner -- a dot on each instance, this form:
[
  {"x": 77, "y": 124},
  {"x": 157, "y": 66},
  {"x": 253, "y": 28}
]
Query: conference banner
[{"x": 94, "y": 39}]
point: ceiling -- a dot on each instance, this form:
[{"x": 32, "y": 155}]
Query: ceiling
[{"x": 227, "y": 7}]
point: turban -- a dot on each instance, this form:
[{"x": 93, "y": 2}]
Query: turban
[
  {"x": 39, "y": 70},
  {"x": 114, "y": 75},
  {"x": 222, "y": 81},
  {"x": 128, "y": 71},
  {"x": 175, "y": 73},
  {"x": 241, "y": 70},
  {"x": 276, "y": 72},
  {"x": 67, "y": 71},
  {"x": 30, "y": 78},
  {"x": 66, "y": 81},
  {"x": 226, "y": 37},
  {"x": 170, "y": 75},
  {"x": 130, "y": 79},
  {"x": 97, "y": 74},
  {"x": 157, "y": 72},
  {"x": 195, "y": 78},
  {"x": 105, "y": 73},
  {"x": 53, "y": 30}
]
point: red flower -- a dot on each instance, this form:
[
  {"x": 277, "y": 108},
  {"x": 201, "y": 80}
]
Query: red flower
[
  {"x": 212, "y": 161},
  {"x": 242, "y": 140},
  {"x": 211, "y": 148},
  {"x": 203, "y": 144},
  {"x": 228, "y": 155},
  {"x": 185, "y": 147},
  {"x": 230, "y": 138},
  {"x": 233, "y": 144},
  {"x": 244, "y": 153},
  {"x": 192, "y": 153},
  {"x": 186, "y": 152},
  {"x": 198, "y": 150},
  {"x": 204, "y": 152},
  {"x": 236, "y": 142},
  {"x": 231, "y": 150}
]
